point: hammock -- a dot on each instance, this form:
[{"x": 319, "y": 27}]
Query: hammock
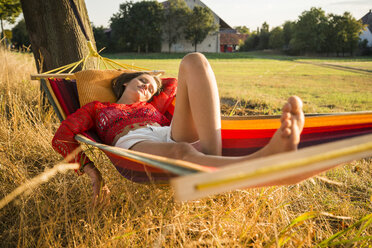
[{"x": 240, "y": 135}]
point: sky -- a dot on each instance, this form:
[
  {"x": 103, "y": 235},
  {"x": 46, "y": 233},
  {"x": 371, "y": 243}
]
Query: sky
[{"x": 251, "y": 13}]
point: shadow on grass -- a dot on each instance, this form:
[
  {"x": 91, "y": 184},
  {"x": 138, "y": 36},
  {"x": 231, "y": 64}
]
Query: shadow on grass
[
  {"x": 338, "y": 67},
  {"x": 238, "y": 55}
]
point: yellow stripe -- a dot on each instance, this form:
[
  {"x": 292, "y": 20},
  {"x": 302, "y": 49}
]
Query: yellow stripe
[
  {"x": 286, "y": 166},
  {"x": 312, "y": 121}
]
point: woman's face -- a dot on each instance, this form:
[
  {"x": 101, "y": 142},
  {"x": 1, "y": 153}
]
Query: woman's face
[{"x": 141, "y": 88}]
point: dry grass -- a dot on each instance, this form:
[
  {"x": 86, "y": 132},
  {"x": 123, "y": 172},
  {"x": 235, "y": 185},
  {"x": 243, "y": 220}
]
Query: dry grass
[{"x": 58, "y": 213}]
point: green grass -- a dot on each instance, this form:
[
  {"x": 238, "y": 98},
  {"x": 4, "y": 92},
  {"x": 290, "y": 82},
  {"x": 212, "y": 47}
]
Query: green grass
[{"x": 266, "y": 80}]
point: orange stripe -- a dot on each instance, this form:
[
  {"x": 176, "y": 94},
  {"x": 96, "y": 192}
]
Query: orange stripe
[{"x": 312, "y": 121}]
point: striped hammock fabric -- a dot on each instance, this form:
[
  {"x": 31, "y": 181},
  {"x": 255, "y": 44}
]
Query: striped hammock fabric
[{"x": 240, "y": 136}]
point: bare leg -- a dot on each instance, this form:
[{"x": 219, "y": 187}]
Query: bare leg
[
  {"x": 286, "y": 138},
  {"x": 197, "y": 110}
]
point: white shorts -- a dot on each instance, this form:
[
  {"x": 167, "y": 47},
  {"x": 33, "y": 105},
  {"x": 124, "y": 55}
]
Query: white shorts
[{"x": 148, "y": 133}]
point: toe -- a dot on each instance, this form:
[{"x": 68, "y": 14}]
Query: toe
[
  {"x": 287, "y": 108},
  {"x": 296, "y": 104},
  {"x": 286, "y": 132},
  {"x": 285, "y": 116},
  {"x": 286, "y": 124}
]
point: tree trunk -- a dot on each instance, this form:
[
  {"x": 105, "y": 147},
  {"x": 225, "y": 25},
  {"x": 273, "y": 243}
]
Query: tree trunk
[
  {"x": 2, "y": 29},
  {"x": 55, "y": 34}
]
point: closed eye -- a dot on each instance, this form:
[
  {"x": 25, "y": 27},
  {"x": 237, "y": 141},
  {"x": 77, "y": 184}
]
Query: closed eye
[{"x": 151, "y": 90}]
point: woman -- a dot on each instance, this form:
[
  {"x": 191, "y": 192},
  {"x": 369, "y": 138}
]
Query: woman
[{"x": 194, "y": 133}]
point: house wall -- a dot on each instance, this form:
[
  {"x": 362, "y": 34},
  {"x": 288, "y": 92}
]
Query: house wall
[
  {"x": 211, "y": 44},
  {"x": 367, "y": 35}
]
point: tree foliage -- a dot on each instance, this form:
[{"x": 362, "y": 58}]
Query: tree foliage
[
  {"x": 264, "y": 37},
  {"x": 242, "y": 29},
  {"x": 101, "y": 37},
  {"x": 314, "y": 32},
  {"x": 288, "y": 29},
  {"x": 20, "y": 35},
  {"x": 309, "y": 33},
  {"x": 9, "y": 11},
  {"x": 200, "y": 24},
  {"x": 175, "y": 19},
  {"x": 137, "y": 26},
  {"x": 276, "y": 39}
]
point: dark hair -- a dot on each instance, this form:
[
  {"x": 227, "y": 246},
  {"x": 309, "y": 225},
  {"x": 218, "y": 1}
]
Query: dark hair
[{"x": 118, "y": 83}]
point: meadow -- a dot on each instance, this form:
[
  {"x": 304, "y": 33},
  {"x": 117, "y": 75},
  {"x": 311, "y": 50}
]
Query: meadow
[
  {"x": 333, "y": 209},
  {"x": 263, "y": 81}
]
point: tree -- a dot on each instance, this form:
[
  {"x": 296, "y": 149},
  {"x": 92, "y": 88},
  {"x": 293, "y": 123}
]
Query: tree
[
  {"x": 20, "y": 35},
  {"x": 333, "y": 43},
  {"x": 121, "y": 34},
  {"x": 309, "y": 32},
  {"x": 352, "y": 28},
  {"x": 251, "y": 43},
  {"x": 343, "y": 33},
  {"x": 101, "y": 38},
  {"x": 147, "y": 19},
  {"x": 9, "y": 11},
  {"x": 276, "y": 39},
  {"x": 264, "y": 37},
  {"x": 200, "y": 24},
  {"x": 288, "y": 28},
  {"x": 55, "y": 34},
  {"x": 242, "y": 29},
  {"x": 137, "y": 26},
  {"x": 175, "y": 16}
]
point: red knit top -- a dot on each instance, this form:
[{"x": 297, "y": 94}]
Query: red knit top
[{"x": 109, "y": 119}]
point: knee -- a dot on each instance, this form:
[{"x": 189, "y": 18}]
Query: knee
[
  {"x": 182, "y": 151},
  {"x": 194, "y": 59}
]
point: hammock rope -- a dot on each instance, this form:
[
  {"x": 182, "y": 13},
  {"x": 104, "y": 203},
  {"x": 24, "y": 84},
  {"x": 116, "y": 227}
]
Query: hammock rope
[{"x": 108, "y": 63}]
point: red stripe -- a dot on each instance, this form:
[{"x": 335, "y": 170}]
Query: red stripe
[
  {"x": 264, "y": 133},
  {"x": 335, "y": 128},
  {"x": 244, "y": 134},
  {"x": 305, "y": 136},
  {"x": 58, "y": 95}
]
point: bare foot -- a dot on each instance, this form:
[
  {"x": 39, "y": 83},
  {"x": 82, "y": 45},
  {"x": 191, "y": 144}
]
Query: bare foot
[{"x": 287, "y": 137}]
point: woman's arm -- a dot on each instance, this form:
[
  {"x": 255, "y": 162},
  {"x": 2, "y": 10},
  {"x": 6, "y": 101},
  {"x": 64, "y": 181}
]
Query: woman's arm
[{"x": 76, "y": 123}]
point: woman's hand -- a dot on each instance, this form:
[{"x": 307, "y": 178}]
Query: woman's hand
[{"x": 100, "y": 191}]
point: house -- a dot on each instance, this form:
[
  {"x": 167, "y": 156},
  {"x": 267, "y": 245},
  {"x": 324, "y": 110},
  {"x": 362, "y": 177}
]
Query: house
[
  {"x": 229, "y": 42},
  {"x": 367, "y": 33},
  {"x": 213, "y": 43}
]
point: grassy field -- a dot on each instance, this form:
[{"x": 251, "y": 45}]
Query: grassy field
[
  {"x": 264, "y": 81},
  {"x": 333, "y": 209}
]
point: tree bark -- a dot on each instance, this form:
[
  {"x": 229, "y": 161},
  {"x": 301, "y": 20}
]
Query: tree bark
[
  {"x": 2, "y": 29},
  {"x": 55, "y": 35}
]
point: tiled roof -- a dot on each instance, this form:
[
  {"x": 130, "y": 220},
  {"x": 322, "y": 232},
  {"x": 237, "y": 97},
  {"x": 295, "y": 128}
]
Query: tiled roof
[
  {"x": 231, "y": 39},
  {"x": 367, "y": 19}
]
